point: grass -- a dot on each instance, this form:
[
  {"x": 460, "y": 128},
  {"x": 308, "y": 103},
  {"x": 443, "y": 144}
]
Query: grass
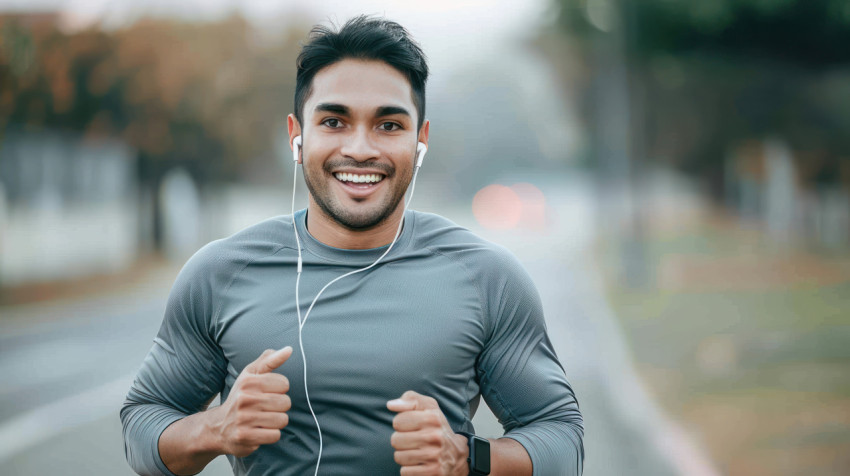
[{"x": 747, "y": 344}]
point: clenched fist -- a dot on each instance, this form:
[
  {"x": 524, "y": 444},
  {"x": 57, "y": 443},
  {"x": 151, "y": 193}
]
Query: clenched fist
[
  {"x": 424, "y": 442},
  {"x": 255, "y": 410}
]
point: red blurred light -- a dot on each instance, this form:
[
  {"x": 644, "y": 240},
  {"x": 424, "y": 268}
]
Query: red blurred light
[{"x": 497, "y": 207}]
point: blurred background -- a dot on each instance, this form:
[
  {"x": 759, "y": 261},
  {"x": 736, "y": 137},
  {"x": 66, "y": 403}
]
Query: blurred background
[{"x": 675, "y": 175}]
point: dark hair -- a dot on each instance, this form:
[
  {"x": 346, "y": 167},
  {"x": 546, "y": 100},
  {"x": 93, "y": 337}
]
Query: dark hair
[{"x": 367, "y": 38}]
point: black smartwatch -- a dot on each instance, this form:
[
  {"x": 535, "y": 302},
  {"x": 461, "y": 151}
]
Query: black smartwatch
[{"x": 479, "y": 454}]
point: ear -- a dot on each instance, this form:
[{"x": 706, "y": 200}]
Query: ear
[
  {"x": 423, "y": 132},
  {"x": 294, "y": 131},
  {"x": 422, "y": 145}
]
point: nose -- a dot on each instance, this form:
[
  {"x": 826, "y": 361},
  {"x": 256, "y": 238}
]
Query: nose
[{"x": 359, "y": 146}]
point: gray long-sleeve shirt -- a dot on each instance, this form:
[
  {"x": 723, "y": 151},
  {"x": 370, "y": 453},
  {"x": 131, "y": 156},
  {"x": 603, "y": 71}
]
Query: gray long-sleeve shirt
[{"x": 446, "y": 314}]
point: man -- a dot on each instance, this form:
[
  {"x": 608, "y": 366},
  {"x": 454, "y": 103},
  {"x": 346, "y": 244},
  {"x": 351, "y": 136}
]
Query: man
[{"x": 397, "y": 356}]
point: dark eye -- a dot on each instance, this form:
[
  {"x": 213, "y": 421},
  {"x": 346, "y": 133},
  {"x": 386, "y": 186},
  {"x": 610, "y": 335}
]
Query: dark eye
[
  {"x": 390, "y": 126},
  {"x": 331, "y": 122}
]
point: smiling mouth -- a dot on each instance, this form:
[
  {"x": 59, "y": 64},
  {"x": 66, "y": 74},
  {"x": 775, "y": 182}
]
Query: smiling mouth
[{"x": 363, "y": 181}]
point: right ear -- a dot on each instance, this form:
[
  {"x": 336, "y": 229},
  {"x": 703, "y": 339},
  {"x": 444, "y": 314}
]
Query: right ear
[{"x": 294, "y": 133}]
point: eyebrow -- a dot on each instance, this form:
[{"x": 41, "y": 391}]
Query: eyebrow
[
  {"x": 391, "y": 111},
  {"x": 345, "y": 111},
  {"x": 334, "y": 108}
]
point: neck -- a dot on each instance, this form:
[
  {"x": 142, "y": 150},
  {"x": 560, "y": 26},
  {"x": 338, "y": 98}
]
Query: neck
[{"x": 329, "y": 232}]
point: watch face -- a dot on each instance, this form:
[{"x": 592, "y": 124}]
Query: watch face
[{"x": 482, "y": 455}]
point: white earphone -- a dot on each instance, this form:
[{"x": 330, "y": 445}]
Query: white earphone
[
  {"x": 421, "y": 150},
  {"x": 296, "y": 149}
]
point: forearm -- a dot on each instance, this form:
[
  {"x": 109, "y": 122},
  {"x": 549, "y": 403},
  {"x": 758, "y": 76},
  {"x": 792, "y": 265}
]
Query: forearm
[
  {"x": 554, "y": 447},
  {"x": 508, "y": 457},
  {"x": 189, "y": 444}
]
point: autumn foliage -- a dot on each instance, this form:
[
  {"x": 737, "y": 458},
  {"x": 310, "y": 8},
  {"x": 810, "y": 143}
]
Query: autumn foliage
[{"x": 209, "y": 96}]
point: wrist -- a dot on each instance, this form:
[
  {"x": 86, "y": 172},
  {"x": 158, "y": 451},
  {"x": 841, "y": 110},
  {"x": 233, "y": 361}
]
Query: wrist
[
  {"x": 477, "y": 454},
  {"x": 462, "y": 445},
  {"x": 188, "y": 445},
  {"x": 209, "y": 440}
]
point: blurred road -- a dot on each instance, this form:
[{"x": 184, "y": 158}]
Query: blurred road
[
  {"x": 90, "y": 349},
  {"x": 67, "y": 365}
]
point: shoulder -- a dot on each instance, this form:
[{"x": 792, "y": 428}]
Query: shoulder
[
  {"x": 263, "y": 238},
  {"x": 503, "y": 284},
  {"x": 495, "y": 270},
  {"x": 218, "y": 260},
  {"x": 441, "y": 235}
]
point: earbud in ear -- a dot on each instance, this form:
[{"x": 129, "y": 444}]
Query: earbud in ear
[
  {"x": 421, "y": 149},
  {"x": 296, "y": 149}
]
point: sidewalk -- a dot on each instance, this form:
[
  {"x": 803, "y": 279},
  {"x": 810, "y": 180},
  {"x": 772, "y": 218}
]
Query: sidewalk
[{"x": 143, "y": 269}]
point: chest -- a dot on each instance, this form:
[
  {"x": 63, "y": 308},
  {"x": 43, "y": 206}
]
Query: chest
[{"x": 374, "y": 334}]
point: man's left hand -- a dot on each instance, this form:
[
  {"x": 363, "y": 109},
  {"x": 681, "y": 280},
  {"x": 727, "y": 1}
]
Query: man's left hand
[{"x": 424, "y": 442}]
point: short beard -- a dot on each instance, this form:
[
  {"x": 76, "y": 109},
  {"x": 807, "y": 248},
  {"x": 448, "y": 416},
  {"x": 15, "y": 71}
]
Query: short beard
[{"x": 342, "y": 216}]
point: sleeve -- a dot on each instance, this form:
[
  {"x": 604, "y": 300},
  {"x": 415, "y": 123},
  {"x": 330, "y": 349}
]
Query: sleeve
[
  {"x": 182, "y": 372},
  {"x": 522, "y": 380}
]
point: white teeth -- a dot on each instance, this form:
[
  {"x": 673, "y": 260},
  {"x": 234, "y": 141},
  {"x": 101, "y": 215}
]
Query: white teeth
[{"x": 359, "y": 178}]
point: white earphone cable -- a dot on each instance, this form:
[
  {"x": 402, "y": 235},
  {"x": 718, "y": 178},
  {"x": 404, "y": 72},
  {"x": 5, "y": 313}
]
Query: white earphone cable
[{"x": 302, "y": 321}]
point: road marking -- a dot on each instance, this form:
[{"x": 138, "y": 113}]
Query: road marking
[{"x": 48, "y": 421}]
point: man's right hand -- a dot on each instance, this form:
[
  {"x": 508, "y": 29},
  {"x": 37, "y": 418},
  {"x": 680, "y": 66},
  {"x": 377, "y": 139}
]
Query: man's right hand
[
  {"x": 254, "y": 412},
  {"x": 252, "y": 415}
]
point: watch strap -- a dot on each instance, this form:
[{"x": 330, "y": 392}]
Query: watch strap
[{"x": 472, "y": 459}]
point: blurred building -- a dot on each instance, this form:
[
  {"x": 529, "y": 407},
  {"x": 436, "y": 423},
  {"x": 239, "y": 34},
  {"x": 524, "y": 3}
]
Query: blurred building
[{"x": 69, "y": 207}]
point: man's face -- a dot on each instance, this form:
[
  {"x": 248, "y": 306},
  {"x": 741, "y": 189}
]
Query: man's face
[{"x": 359, "y": 141}]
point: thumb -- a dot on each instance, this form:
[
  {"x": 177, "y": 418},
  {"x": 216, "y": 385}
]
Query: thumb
[
  {"x": 410, "y": 400},
  {"x": 269, "y": 360}
]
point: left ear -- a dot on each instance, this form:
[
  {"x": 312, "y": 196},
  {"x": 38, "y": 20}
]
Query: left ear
[{"x": 423, "y": 132}]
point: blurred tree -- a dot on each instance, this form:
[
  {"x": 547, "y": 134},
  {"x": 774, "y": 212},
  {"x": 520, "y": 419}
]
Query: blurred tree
[
  {"x": 808, "y": 32},
  {"x": 209, "y": 97},
  {"x": 705, "y": 76}
]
